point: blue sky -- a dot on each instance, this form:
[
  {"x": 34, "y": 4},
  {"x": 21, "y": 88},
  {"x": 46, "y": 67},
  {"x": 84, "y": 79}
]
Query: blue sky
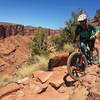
[{"x": 45, "y": 13}]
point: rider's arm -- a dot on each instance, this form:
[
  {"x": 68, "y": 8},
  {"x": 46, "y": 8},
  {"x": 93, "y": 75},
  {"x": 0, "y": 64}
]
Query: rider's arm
[
  {"x": 97, "y": 32},
  {"x": 93, "y": 28}
]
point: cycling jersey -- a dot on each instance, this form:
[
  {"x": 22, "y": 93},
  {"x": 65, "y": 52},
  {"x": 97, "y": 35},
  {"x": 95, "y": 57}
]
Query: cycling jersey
[
  {"x": 85, "y": 33},
  {"x": 98, "y": 30}
]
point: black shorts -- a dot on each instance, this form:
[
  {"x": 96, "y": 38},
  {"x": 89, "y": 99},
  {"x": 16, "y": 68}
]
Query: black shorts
[{"x": 90, "y": 43}]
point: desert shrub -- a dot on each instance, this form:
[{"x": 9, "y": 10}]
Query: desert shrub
[{"x": 39, "y": 44}]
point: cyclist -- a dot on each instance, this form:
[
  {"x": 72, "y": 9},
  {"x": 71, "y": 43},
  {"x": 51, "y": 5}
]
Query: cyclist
[{"x": 86, "y": 31}]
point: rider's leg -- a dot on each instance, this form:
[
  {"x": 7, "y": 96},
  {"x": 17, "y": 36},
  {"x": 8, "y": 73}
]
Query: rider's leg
[
  {"x": 85, "y": 50},
  {"x": 83, "y": 47},
  {"x": 91, "y": 46}
]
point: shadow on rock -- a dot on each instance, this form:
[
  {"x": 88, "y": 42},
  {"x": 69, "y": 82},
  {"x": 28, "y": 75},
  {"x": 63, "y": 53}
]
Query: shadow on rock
[{"x": 68, "y": 82}]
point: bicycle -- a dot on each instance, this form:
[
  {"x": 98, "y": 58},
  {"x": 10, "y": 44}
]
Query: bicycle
[{"x": 78, "y": 62}]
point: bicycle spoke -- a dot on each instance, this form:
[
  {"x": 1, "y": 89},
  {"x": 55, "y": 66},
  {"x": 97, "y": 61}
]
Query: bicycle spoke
[
  {"x": 77, "y": 63},
  {"x": 77, "y": 72}
]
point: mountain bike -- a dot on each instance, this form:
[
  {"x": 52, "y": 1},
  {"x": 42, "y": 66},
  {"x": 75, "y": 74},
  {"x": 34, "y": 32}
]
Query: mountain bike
[{"x": 78, "y": 62}]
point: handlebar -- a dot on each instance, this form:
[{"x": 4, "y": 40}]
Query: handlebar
[
  {"x": 77, "y": 42},
  {"x": 92, "y": 37}
]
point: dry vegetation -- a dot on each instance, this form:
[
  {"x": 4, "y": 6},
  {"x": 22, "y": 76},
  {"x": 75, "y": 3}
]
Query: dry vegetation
[{"x": 41, "y": 63}]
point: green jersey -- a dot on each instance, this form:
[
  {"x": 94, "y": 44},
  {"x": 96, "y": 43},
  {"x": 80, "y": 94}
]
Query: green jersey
[
  {"x": 85, "y": 33},
  {"x": 98, "y": 30}
]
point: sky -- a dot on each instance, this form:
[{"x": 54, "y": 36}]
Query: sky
[{"x": 44, "y": 13}]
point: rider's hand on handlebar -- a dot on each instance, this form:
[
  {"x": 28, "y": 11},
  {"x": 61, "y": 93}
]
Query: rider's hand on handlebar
[{"x": 92, "y": 37}]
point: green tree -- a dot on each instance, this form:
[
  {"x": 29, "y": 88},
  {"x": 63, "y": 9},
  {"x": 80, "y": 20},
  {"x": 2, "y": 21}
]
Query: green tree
[
  {"x": 59, "y": 39},
  {"x": 98, "y": 12},
  {"x": 39, "y": 43}
]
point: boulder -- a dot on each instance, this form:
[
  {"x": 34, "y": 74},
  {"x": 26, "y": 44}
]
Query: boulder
[
  {"x": 80, "y": 93},
  {"x": 57, "y": 79},
  {"x": 58, "y": 61},
  {"x": 40, "y": 88},
  {"x": 95, "y": 92},
  {"x": 42, "y": 76}
]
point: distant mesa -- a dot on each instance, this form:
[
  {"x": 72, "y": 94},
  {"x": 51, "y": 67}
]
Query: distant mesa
[{"x": 8, "y": 29}]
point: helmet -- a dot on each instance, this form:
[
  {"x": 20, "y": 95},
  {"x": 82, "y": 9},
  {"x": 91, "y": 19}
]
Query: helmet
[{"x": 82, "y": 17}]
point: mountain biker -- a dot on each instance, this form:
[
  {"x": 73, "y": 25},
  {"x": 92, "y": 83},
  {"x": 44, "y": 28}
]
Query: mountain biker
[{"x": 86, "y": 31}]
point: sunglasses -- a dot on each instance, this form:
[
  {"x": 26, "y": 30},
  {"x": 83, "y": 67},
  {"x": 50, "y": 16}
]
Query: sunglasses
[{"x": 83, "y": 21}]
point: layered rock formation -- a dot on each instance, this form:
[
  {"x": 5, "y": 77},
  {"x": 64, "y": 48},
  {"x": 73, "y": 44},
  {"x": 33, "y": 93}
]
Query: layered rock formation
[
  {"x": 14, "y": 45},
  {"x": 8, "y": 29}
]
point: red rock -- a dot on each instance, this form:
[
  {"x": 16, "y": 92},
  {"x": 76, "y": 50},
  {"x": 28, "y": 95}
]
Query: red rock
[
  {"x": 80, "y": 93},
  {"x": 24, "y": 81},
  {"x": 67, "y": 90},
  {"x": 9, "y": 97},
  {"x": 56, "y": 84},
  {"x": 11, "y": 56},
  {"x": 20, "y": 93},
  {"x": 98, "y": 71},
  {"x": 39, "y": 88},
  {"x": 58, "y": 61},
  {"x": 43, "y": 76},
  {"x": 97, "y": 79},
  {"x": 56, "y": 80},
  {"x": 51, "y": 94},
  {"x": 95, "y": 91},
  {"x": 90, "y": 79},
  {"x": 9, "y": 88}
]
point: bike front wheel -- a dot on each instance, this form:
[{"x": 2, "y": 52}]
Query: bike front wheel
[{"x": 76, "y": 65}]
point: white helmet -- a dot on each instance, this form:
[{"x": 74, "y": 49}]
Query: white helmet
[{"x": 82, "y": 17}]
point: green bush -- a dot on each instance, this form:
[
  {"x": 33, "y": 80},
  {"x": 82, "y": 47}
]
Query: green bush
[
  {"x": 39, "y": 43},
  {"x": 58, "y": 42},
  {"x": 61, "y": 39}
]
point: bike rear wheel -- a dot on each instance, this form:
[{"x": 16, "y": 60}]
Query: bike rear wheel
[{"x": 76, "y": 65}]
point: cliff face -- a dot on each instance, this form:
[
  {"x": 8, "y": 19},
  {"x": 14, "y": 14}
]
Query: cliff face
[
  {"x": 14, "y": 48},
  {"x": 8, "y": 29},
  {"x": 14, "y": 51}
]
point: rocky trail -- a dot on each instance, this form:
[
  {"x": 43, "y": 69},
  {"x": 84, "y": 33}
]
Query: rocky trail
[{"x": 54, "y": 85}]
